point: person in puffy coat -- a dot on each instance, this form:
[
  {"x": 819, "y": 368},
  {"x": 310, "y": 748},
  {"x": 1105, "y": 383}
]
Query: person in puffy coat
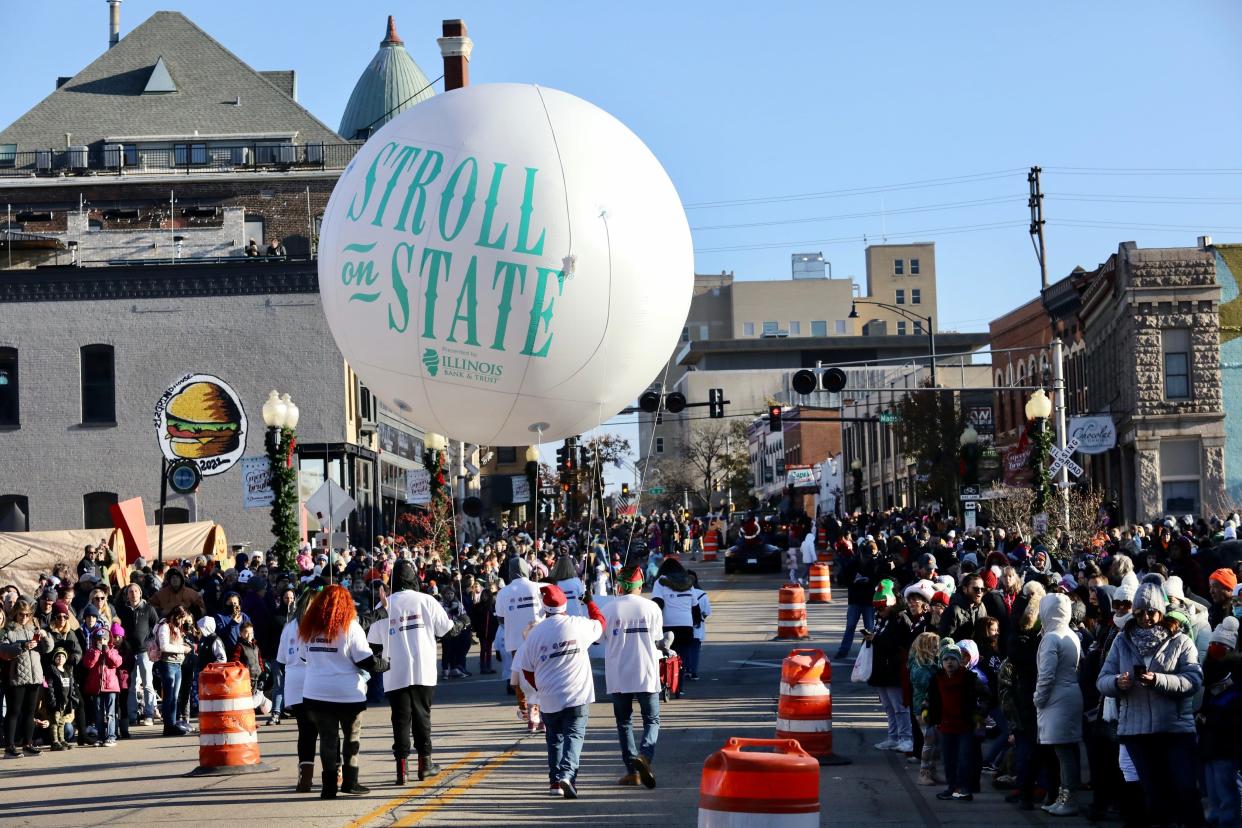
[
  {"x": 1154, "y": 675},
  {"x": 22, "y": 644},
  {"x": 889, "y": 644},
  {"x": 1058, "y": 699},
  {"x": 101, "y": 661}
]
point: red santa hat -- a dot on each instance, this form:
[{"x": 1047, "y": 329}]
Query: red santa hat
[{"x": 553, "y": 599}]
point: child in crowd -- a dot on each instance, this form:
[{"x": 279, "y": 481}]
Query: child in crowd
[
  {"x": 247, "y": 654},
  {"x": 101, "y": 661},
  {"x": 63, "y": 697},
  {"x": 923, "y": 664},
  {"x": 1220, "y": 722},
  {"x": 956, "y": 705}
]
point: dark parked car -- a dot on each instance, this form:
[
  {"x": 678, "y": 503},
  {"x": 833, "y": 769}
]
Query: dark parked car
[{"x": 753, "y": 557}]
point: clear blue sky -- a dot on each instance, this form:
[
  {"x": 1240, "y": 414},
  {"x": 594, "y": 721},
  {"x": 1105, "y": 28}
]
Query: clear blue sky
[{"x": 754, "y": 100}]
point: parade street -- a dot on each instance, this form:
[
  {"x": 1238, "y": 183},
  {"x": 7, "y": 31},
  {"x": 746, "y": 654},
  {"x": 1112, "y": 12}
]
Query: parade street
[{"x": 496, "y": 774}]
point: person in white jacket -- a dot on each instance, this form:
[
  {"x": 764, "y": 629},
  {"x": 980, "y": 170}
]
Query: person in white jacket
[
  {"x": 407, "y": 641},
  {"x": 291, "y": 652},
  {"x": 809, "y": 556},
  {"x": 517, "y": 605},
  {"x": 633, "y": 627},
  {"x": 556, "y": 662},
  {"x": 699, "y": 614}
]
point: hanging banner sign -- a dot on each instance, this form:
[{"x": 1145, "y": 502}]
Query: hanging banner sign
[
  {"x": 521, "y": 488},
  {"x": 800, "y": 477},
  {"x": 418, "y": 487},
  {"x": 257, "y": 490},
  {"x": 1095, "y": 434}
]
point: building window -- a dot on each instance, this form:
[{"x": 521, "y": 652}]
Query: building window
[
  {"x": 901, "y": 296},
  {"x": 795, "y": 328},
  {"x": 819, "y": 327},
  {"x": 685, "y": 334},
  {"x": 95, "y": 511},
  {"x": 840, "y": 326},
  {"x": 770, "y": 328},
  {"x": 918, "y": 328},
  {"x": 10, "y": 415},
  {"x": 1176, "y": 344},
  {"x": 506, "y": 454},
  {"x": 1179, "y": 476},
  {"x": 703, "y": 331},
  {"x": 98, "y": 385},
  {"x": 914, "y": 267},
  {"x": 748, "y": 329},
  {"x": 901, "y": 328},
  {"x": 916, "y": 296},
  {"x": 173, "y": 514},
  {"x": 187, "y": 154},
  {"x": 899, "y": 267},
  {"x": 659, "y": 445},
  {"x": 14, "y": 513}
]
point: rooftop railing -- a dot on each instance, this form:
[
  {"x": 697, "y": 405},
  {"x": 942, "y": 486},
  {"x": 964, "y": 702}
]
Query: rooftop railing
[{"x": 179, "y": 159}]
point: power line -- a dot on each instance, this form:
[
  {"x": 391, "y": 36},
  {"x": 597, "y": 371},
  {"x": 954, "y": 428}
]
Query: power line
[
  {"x": 1118, "y": 225},
  {"x": 1190, "y": 171},
  {"x": 925, "y": 208},
  {"x": 1125, "y": 198},
  {"x": 863, "y": 237},
  {"x": 854, "y": 191}
]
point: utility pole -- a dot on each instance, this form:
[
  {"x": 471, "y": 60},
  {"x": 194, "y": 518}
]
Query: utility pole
[
  {"x": 1036, "y": 203},
  {"x": 1058, "y": 393}
]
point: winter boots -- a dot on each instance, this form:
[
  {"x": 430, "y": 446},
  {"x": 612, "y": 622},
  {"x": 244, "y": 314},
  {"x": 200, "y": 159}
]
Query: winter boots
[
  {"x": 1064, "y": 804},
  {"x": 426, "y": 768},
  {"x": 401, "y": 768},
  {"x": 306, "y": 775},
  {"x": 328, "y": 791},
  {"x": 351, "y": 784}
]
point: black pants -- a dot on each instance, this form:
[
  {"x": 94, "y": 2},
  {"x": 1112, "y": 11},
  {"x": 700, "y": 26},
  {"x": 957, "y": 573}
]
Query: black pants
[
  {"x": 331, "y": 720},
  {"x": 411, "y": 713},
  {"x": 188, "y": 673},
  {"x": 19, "y": 725},
  {"x": 308, "y": 734}
]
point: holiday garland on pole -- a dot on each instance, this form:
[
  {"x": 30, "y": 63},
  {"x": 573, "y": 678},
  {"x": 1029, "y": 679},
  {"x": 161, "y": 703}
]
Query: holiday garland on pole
[
  {"x": 284, "y": 498},
  {"x": 1041, "y": 439}
]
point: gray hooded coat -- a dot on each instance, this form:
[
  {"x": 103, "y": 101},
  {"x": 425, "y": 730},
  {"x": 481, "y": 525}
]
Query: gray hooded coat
[
  {"x": 1168, "y": 705},
  {"x": 1058, "y": 699}
]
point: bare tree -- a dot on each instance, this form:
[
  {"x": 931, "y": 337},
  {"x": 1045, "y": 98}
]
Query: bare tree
[{"x": 706, "y": 455}]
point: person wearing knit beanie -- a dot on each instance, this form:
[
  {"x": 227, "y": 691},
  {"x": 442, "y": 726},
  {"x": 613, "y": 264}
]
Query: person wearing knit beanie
[
  {"x": 1226, "y": 633},
  {"x": 1149, "y": 596},
  {"x": 884, "y": 595},
  {"x": 1221, "y": 585}
]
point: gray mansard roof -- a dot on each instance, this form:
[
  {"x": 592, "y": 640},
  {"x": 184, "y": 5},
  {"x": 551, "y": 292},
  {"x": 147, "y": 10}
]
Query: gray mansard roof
[{"x": 216, "y": 94}]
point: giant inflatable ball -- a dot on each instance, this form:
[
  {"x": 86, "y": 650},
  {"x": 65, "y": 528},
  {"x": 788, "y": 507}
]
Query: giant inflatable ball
[{"x": 504, "y": 263}]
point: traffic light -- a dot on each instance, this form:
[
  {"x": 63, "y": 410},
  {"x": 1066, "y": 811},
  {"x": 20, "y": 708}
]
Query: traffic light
[
  {"x": 560, "y": 459},
  {"x": 805, "y": 382},
  {"x": 774, "y": 418},
  {"x": 649, "y": 402},
  {"x": 834, "y": 380},
  {"x": 675, "y": 402},
  {"x": 584, "y": 459},
  {"x": 625, "y": 489},
  {"x": 715, "y": 403}
]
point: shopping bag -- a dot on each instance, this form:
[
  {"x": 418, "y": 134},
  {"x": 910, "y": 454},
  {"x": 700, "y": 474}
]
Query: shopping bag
[{"x": 862, "y": 665}]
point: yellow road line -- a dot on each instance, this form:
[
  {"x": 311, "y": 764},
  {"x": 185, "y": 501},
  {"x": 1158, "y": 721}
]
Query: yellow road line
[
  {"x": 398, "y": 801},
  {"x": 433, "y": 805}
]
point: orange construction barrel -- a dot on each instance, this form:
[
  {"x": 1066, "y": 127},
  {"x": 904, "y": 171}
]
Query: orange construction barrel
[
  {"x": 710, "y": 545},
  {"x": 791, "y": 613},
  {"x": 819, "y": 586},
  {"x": 804, "y": 711},
  {"x": 228, "y": 739},
  {"x": 741, "y": 789}
]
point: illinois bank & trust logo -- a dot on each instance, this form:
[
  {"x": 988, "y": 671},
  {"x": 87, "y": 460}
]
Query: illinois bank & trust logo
[{"x": 461, "y": 364}]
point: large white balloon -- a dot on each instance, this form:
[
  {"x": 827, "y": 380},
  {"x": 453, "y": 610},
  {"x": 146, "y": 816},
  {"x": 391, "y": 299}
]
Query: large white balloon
[{"x": 505, "y": 260}]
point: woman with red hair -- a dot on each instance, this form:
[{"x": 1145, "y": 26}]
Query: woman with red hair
[{"x": 334, "y": 692}]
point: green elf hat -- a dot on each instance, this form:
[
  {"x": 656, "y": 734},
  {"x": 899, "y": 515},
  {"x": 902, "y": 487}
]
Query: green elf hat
[{"x": 884, "y": 594}]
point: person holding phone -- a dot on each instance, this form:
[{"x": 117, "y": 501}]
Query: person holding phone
[{"x": 1154, "y": 676}]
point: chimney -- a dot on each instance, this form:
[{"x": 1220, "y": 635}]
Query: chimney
[
  {"x": 455, "y": 48},
  {"x": 114, "y": 22}
]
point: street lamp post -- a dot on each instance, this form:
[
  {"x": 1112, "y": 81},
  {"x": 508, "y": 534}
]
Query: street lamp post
[
  {"x": 1038, "y": 409},
  {"x": 281, "y": 416},
  {"x": 913, "y": 317}
]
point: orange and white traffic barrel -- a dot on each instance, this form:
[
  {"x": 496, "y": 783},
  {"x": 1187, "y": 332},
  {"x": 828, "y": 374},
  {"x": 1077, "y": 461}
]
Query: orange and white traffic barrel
[
  {"x": 228, "y": 740},
  {"x": 804, "y": 711},
  {"x": 741, "y": 788},
  {"x": 791, "y": 613},
  {"x": 819, "y": 584},
  {"x": 710, "y": 545}
]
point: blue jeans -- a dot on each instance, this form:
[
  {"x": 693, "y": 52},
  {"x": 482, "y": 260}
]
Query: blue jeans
[
  {"x": 1222, "y": 790},
  {"x": 277, "y": 690},
  {"x": 105, "y": 716},
  {"x": 692, "y": 656},
  {"x": 169, "y": 676},
  {"x": 142, "y": 688},
  {"x": 649, "y": 708},
  {"x": 565, "y": 731},
  {"x": 958, "y": 750},
  {"x": 852, "y": 613}
]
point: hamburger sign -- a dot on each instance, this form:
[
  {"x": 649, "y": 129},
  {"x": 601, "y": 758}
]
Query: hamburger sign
[{"x": 200, "y": 418}]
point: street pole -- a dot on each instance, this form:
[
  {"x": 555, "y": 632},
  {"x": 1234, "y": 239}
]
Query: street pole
[
  {"x": 163, "y": 502},
  {"x": 1058, "y": 390},
  {"x": 931, "y": 344}
]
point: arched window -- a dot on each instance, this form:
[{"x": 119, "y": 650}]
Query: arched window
[
  {"x": 98, "y": 384},
  {"x": 10, "y": 413},
  {"x": 1001, "y": 423},
  {"x": 14, "y": 513},
  {"x": 95, "y": 510}
]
